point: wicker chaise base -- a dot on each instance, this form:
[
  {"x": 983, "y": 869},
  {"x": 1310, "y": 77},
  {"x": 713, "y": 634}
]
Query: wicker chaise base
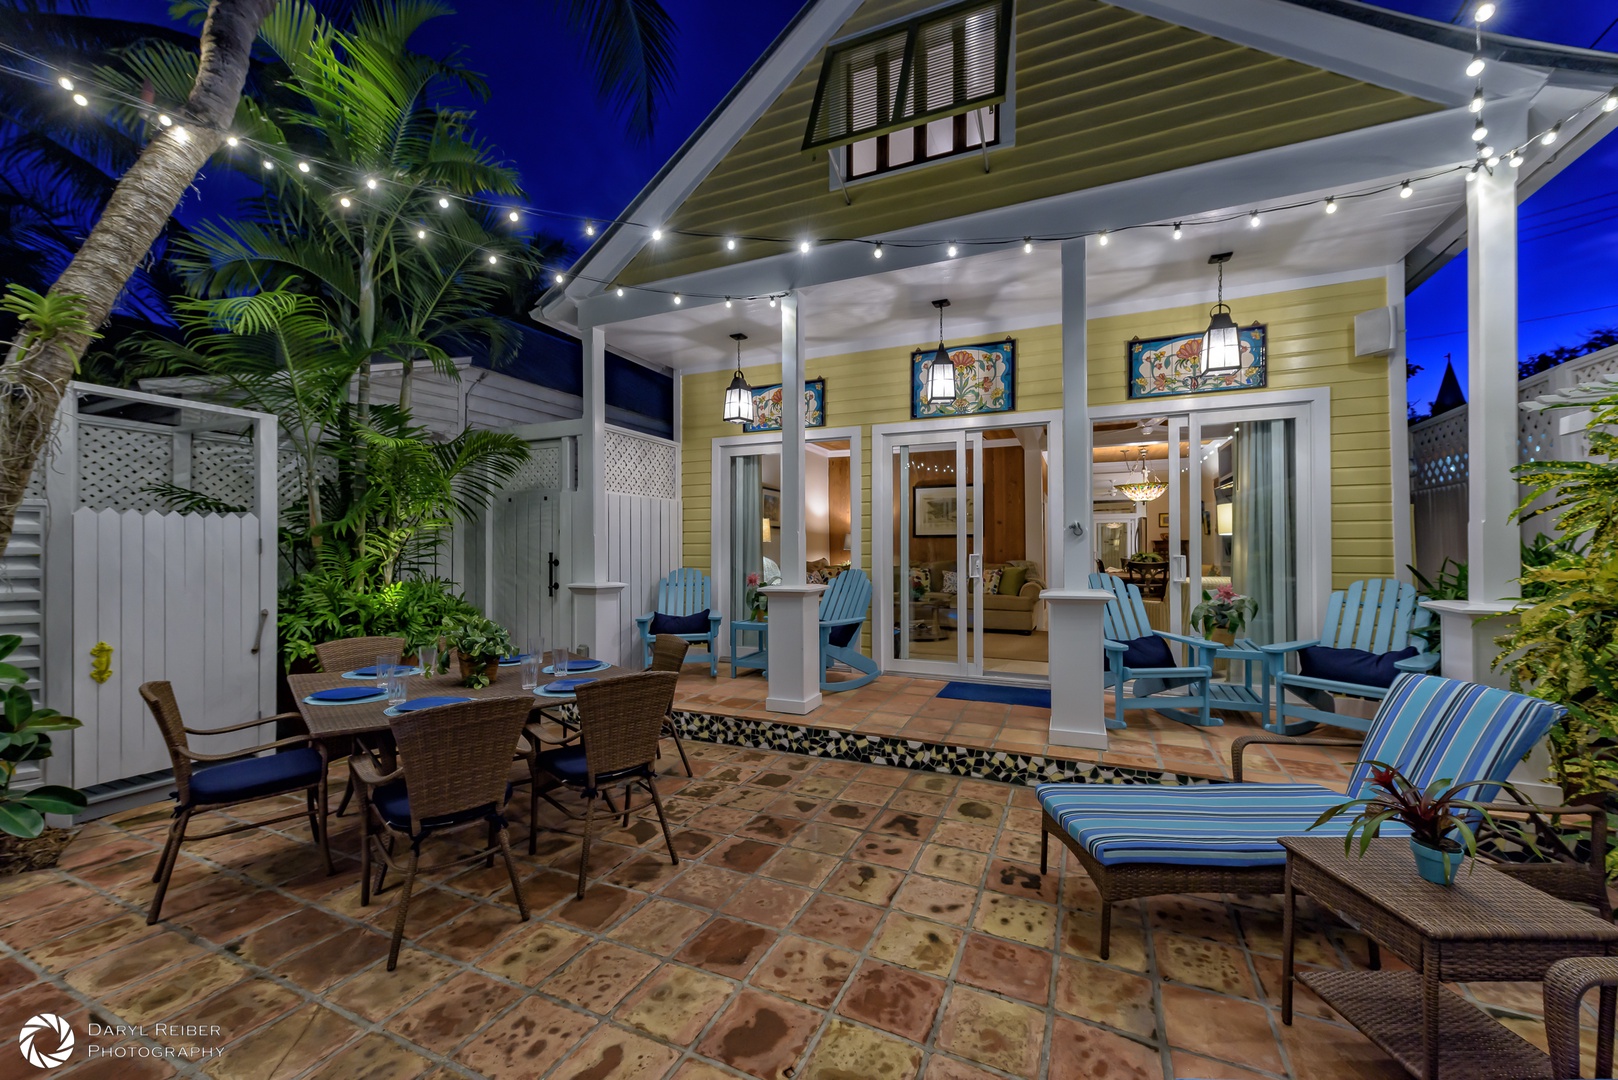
[{"x": 1131, "y": 881}]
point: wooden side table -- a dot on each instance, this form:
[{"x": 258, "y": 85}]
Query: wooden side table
[{"x": 1487, "y": 927}]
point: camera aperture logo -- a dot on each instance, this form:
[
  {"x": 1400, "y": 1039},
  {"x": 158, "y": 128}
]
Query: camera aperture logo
[{"x": 46, "y": 1041}]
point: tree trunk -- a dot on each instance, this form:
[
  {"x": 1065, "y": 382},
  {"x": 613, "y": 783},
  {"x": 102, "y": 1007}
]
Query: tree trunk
[{"x": 32, "y": 384}]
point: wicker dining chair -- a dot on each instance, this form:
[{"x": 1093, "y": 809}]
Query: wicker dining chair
[
  {"x": 668, "y": 654},
  {"x": 346, "y": 654},
  {"x": 453, "y": 765},
  {"x": 620, "y": 720},
  {"x": 239, "y": 778}
]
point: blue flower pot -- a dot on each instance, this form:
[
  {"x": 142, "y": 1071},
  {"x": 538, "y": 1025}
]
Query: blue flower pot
[{"x": 1438, "y": 867}]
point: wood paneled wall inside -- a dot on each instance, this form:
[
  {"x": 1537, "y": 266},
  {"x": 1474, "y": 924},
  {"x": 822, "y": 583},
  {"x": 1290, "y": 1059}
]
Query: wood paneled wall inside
[
  {"x": 838, "y": 496},
  {"x": 1004, "y": 515}
]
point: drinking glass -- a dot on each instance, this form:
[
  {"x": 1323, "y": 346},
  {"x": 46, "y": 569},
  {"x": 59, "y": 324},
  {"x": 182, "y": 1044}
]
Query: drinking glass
[
  {"x": 384, "y": 669},
  {"x": 397, "y": 694},
  {"x": 559, "y": 662},
  {"x": 428, "y": 655},
  {"x": 530, "y": 670}
]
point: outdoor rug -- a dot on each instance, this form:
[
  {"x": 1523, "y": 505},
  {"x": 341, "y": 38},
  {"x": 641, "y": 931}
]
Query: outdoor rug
[{"x": 1004, "y": 695}]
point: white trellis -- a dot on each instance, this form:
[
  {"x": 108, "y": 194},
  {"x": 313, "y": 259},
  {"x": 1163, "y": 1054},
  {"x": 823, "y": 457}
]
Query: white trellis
[
  {"x": 98, "y": 557},
  {"x": 1438, "y": 451}
]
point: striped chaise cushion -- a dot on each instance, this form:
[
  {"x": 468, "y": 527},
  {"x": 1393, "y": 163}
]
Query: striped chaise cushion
[
  {"x": 1202, "y": 825},
  {"x": 1432, "y": 728}
]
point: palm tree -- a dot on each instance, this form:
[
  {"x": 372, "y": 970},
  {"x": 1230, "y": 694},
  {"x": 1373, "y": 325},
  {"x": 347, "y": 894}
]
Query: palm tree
[{"x": 34, "y": 377}]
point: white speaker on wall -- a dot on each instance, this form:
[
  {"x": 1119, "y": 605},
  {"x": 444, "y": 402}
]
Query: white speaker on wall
[{"x": 1376, "y": 332}]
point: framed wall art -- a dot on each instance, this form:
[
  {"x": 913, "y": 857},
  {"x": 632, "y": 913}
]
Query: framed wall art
[
  {"x": 985, "y": 380},
  {"x": 767, "y": 406},
  {"x": 933, "y": 511},
  {"x": 1165, "y": 366}
]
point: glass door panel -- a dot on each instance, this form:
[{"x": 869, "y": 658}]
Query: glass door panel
[
  {"x": 931, "y": 581},
  {"x": 1248, "y": 517}
]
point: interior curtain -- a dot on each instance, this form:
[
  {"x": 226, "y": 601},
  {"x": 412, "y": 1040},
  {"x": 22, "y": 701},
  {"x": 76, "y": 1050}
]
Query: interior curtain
[
  {"x": 746, "y": 528},
  {"x": 1264, "y": 539}
]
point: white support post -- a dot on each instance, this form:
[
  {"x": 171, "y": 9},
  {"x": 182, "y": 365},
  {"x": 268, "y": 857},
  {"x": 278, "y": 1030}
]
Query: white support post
[
  {"x": 1493, "y": 542},
  {"x": 267, "y": 507},
  {"x": 596, "y": 601},
  {"x": 1399, "y": 430},
  {"x": 1078, "y": 716},
  {"x": 794, "y": 605}
]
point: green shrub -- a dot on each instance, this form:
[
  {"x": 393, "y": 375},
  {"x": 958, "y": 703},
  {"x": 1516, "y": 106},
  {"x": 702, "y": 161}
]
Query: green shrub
[{"x": 25, "y": 736}]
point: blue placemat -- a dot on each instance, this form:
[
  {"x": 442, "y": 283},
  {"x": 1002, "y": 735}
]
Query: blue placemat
[
  {"x": 416, "y": 704},
  {"x": 565, "y": 686},
  {"x": 577, "y": 665},
  {"x": 371, "y": 672},
  {"x": 513, "y": 661},
  {"x": 345, "y": 695}
]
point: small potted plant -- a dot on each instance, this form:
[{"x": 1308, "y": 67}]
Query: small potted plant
[
  {"x": 1222, "y": 615},
  {"x": 755, "y": 599},
  {"x": 1441, "y": 834},
  {"x": 479, "y": 644}
]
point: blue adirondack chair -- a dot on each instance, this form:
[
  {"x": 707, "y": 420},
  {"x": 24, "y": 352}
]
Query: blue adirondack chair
[
  {"x": 843, "y": 609},
  {"x": 1376, "y": 616},
  {"x": 1125, "y": 621},
  {"x": 685, "y": 591}
]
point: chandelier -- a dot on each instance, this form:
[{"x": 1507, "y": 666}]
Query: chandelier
[{"x": 1145, "y": 487}]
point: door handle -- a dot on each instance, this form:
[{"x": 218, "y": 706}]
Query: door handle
[
  {"x": 552, "y": 562},
  {"x": 1178, "y": 570},
  {"x": 974, "y": 567},
  {"x": 258, "y": 639}
]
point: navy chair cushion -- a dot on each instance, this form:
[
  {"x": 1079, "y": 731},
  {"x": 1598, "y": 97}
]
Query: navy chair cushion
[
  {"x": 254, "y": 777},
  {"x": 1148, "y": 652},
  {"x": 841, "y": 636},
  {"x": 392, "y": 801},
  {"x": 568, "y": 765},
  {"x": 680, "y": 624},
  {"x": 1354, "y": 666}
]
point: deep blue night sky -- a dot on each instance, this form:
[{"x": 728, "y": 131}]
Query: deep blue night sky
[{"x": 575, "y": 155}]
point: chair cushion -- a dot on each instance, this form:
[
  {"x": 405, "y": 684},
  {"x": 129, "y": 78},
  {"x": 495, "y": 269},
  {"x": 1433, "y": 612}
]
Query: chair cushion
[
  {"x": 392, "y": 801},
  {"x": 1231, "y": 825},
  {"x": 1150, "y": 651},
  {"x": 696, "y": 623},
  {"x": 568, "y": 765},
  {"x": 254, "y": 777},
  {"x": 1354, "y": 666}
]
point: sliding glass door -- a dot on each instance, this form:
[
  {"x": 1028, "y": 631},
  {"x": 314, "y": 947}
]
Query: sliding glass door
[{"x": 936, "y": 565}]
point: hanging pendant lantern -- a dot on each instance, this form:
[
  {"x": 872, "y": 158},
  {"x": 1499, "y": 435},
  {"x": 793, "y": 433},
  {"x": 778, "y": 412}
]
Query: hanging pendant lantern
[
  {"x": 738, "y": 395},
  {"x": 1221, "y": 345},
  {"x": 1143, "y": 488},
  {"x": 941, "y": 372}
]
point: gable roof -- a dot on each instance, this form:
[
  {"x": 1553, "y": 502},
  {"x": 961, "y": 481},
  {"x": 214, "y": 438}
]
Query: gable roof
[{"x": 1401, "y": 53}]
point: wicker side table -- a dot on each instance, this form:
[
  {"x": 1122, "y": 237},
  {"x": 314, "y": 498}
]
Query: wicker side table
[{"x": 1487, "y": 927}]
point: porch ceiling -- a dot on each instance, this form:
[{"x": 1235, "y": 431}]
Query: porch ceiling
[{"x": 1006, "y": 290}]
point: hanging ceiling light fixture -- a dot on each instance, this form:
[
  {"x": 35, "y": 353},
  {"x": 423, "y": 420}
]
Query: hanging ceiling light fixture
[
  {"x": 738, "y": 395},
  {"x": 941, "y": 372},
  {"x": 1144, "y": 488},
  {"x": 1221, "y": 346}
]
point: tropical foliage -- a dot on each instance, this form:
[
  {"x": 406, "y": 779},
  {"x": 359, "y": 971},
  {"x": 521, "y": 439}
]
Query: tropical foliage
[
  {"x": 1564, "y": 647},
  {"x": 1437, "y": 815},
  {"x": 480, "y": 642},
  {"x": 25, "y": 735}
]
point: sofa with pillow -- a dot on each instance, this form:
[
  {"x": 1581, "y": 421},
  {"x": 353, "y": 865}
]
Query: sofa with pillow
[{"x": 1010, "y": 592}]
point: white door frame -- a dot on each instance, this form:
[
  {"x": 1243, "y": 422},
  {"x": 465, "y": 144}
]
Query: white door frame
[
  {"x": 726, "y": 447},
  {"x": 883, "y": 438},
  {"x": 1311, "y": 411}
]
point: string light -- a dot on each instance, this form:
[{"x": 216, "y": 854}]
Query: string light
[
  {"x": 1331, "y": 204},
  {"x": 1485, "y": 152},
  {"x": 657, "y": 234},
  {"x": 1471, "y": 174},
  {"x": 803, "y": 248},
  {"x": 1480, "y": 131},
  {"x": 1492, "y": 160},
  {"x": 1475, "y": 68},
  {"x": 1477, "y": 100},
  {"x": 1102, "y": 239},
  {"x": 727, "y": 299},
  {"x": 165, "y": 119},
  {"x": 1027, "y": 245},
  {"x": 678, "y": 299},
  {"x": 443, "y": 203},
  {"x": 952, "y": 250},
  {"x": 1178, "y": 231},
  {"x": 1550, "y": 136},
  {"x": 232, "y": 141},
  {"x": 65, "y": 83},
  {"x": 1516, "y": 159},
  {"x": 730, "y": 243},
  {"x": 493, "y": 259},
  {"x": 514, "y": 216},
  {"x": 421, "y": 234},
  {"x": 370, "y": 182},
  {"x": 772, "y": 301},
  {"x": 589, "y": 228},
  {"x": 80, "y": 100},
  {"x": 1405, "y": 190},
  {"x": 1484, "y": 13},
  {"x": 345, "y": 202},
  {"x": 620, "y": 290},
  {"x": 876, "y": 252},
  {"x": 1610, "y": 102},
  {"x": 560, "y": 277},
  {"x": 303, "y": 166},
  {"x": 269, "y": 165},
  {"x": 1252, "y": 219}
]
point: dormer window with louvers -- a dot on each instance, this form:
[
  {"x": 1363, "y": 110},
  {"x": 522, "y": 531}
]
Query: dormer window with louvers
[{"x": 929, "y": 88}]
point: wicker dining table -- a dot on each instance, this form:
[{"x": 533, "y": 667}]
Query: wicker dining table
[{"x": 1486, "y": 927}]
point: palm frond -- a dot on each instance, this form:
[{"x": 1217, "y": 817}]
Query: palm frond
[{"x": 632, "y": 42}]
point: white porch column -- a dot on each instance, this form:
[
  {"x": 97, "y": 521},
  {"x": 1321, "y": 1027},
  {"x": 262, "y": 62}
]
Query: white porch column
[
  {"x": 597, "y": 620},
  {"x": 794, "y": 605},
  {"x": 1073, "y": 609},
  {"x": 1494, "y": 561}
]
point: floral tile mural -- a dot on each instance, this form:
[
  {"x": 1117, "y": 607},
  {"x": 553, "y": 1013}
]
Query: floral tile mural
[
  {"x": 1162, "y": 366},
  {"x": 985, "y": 380},
  {"x": 767, "y": 406}
]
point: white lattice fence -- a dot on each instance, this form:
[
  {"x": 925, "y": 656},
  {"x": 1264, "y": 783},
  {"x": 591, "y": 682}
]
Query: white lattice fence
[
  {"x": 222, "y": 468},
  {"x": 640, "y": 465},
  {"x": 543, "y": 471},
  {"x": 117, "y": 463}
]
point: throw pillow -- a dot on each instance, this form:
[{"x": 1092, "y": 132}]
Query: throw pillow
[
  {"x": 1012, "y": 579},
  {"x": 680, "y": 624},
  {"x": 991, "y": 581},
  {"x": 1354, "y": 666},
  {"x": 951, "y": 583},
  {"x": 1150, "y": 651},
  {"x": 816, "y": 577},
  {"x": 923, "y": 576}
]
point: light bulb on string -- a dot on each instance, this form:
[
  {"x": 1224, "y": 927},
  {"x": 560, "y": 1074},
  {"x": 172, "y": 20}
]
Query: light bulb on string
[
  {"x": 803, "y": 247},
  {"x": 1610, "y": 102},
  {"x": 1516, "y": 159},
  {"x": 1178, "y": 231},
  {"x": 165, "y": 119},
  {"x": 1475, "y": 68},
  {"x": 443, "y": 203},
  {"x": 772, "y": 301},
  {"x": 589, "y": 229},
  {"x": 1027, "y": 245},
  {"x": 1484, "y": 13},
  {"x": 493, "y": 259},
  {"x": 514, "y": 216},
  {"x": 657, "y": 234},
  {"x": 370, "y": 182},
  {"x": 1103, "y": 239},
  {"x": 345, "y": 202},
  {"x": 678, "y": 299},
  {"x": 876, "y": 252},
  {"x": 727, "y": 301},
  {"x": 231, "y": 140},
  {"x": 1550, "y": 136},
  {"x": 730, "y": 243},
  {"x": 560, "y": 277},
  {"x": 1252, "y": 219},
  {"x": 1477, "y": 100},
  {"x": 1331, "y": 204},
  {"x": 620, "y": 291},
  {"x": 1480, "y": 131},
  {"x": 80, "y": 100},
  {"x": 1492, "y": 160},
  {"x": 269, "y": 165},
  {"x": 953, "y": 251},
  {"x": 1405, "y": 190},
  {"x": 303, "y": 166},
  {"x": 1485, "y": 152},
  {"x": 1471, "y": 174},
  {"x": 421, "y": 234},
  {"x": 65, "y": 83}
]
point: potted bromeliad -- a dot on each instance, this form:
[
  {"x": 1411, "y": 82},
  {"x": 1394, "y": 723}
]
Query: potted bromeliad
[
  {"x": 1222, "y": 615},
  {"x": 479, "y": 644},
  {"x": 1442, "y": 823}
]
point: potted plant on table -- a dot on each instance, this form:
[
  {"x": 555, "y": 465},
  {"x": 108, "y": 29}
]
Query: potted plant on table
[
  {"x": 479, "y": 644},
  {"x": 1222, "y": 615},
  {"x": 1440, "y": 820},
  {"x": 755, "y": 599}
]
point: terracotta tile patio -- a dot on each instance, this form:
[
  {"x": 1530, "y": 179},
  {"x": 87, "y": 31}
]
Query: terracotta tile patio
[
  {"x": 909, "y": 708},
  {"x": 827, "y": 920}
]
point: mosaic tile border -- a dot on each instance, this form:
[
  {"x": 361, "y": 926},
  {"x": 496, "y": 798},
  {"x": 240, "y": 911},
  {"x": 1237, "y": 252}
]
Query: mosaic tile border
[{"x": 923, "y": 756}]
